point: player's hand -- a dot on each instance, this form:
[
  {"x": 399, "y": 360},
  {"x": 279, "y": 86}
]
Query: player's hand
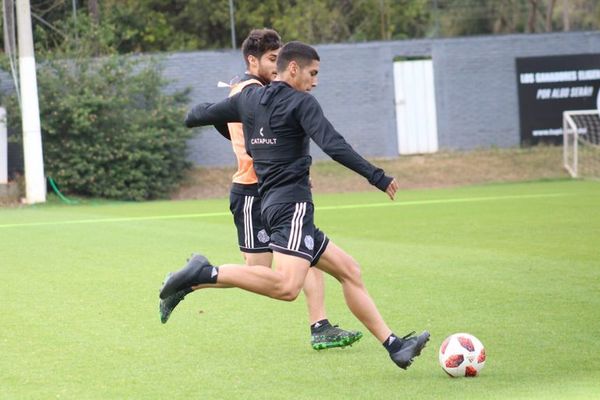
[{"x": 392, "y": 188}]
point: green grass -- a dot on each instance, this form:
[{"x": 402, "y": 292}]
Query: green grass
[{"x": 517, "y": 265}]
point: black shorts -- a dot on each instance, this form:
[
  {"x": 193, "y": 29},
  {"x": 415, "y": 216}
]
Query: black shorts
[
  {"x": 292, "y": 230},
  {"x": 252, "y": 235}
]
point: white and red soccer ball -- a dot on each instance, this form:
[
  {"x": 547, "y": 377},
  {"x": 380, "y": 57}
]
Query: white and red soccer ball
[{"x": 462, "y": 354}]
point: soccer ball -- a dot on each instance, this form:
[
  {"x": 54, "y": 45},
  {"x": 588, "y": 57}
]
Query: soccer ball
[{"x": 462, "y": 354}]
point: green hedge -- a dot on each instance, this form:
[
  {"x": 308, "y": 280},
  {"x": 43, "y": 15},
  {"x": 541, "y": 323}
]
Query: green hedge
[{"x": 109, "y": 127}]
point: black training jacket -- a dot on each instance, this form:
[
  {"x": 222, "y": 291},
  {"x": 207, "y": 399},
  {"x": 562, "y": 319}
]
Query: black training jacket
[{"x": 279, "y": 122}]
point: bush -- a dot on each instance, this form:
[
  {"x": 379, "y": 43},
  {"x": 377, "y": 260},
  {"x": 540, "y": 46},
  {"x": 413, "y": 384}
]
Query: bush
[{"x": 109, "y": 128}]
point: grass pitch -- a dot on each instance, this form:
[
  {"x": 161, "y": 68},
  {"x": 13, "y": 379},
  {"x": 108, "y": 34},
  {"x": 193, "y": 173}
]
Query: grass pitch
[{"x": 517, "y": 265}]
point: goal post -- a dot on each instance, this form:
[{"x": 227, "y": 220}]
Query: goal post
[{"x": 581, "y": 143}]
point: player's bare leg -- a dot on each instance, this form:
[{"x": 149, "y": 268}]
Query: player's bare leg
[
  {"x": 323, "y": 334},
  {"x": 314, "y": 290},
  {"x": 168, "y": 304},
  {"x": 283, "y": 282},
  {"x": 264, "y": 258},
  {"x": 314, "y": 285},
  {"x": 347, "y": 271}
]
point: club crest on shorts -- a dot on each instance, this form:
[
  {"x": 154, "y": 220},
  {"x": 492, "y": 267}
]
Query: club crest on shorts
[
  {"x": 309, "y": 242},
  {"x": 263, "y": 237}
]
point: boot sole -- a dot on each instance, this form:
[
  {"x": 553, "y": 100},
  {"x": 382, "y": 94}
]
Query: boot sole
[{"x": 347, "y": 341}]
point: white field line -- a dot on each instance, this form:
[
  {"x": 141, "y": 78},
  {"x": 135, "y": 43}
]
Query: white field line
[{"x": 323, "y": 208}]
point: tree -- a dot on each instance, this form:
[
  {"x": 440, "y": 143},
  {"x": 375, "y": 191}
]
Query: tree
[
  {"x": 386, "y": 19},
  {"x": 544, "y": 9},
  {"x": 576, "y": 15},
  {"x": 175, "y": 25},
  {"x": 469, "y": 17}
]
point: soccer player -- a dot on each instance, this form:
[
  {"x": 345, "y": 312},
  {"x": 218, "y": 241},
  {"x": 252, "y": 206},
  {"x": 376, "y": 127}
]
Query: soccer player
[
  {"x": 279, "y": 120},
  {"x": 260, "y": 51}
]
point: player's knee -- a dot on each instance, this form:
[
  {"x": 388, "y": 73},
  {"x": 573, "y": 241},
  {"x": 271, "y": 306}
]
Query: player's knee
[
  {"x": 287, "y": 295},
  {"x": 290, "y": 295},
  {"x": 351, "y": 270},
  {"x": 288, "y": 292}
]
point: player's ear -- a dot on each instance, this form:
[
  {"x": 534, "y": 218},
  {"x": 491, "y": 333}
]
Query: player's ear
[
  {"x": 252, "y": 61},
  {"x": 293, "y": 68}
]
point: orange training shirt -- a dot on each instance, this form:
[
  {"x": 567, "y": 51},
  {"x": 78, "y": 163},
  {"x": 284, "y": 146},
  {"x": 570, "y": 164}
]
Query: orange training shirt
[{"x": 245, "y": 174}]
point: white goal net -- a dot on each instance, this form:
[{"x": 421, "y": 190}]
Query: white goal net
[{"x": 581, "y": 143}]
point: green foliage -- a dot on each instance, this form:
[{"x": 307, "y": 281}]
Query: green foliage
[
  {"x": 468, "y": 17},
  {"x": 175, "y": 25},
  {"x": 108, "y": 128},
  {"x": 387, "y": 19},
  {"x": 310, "y": 21},
  {"x": 157, "y": 25},
  {"x": 75, "y": 38},
  {"x": 472, "y": 17},
  {"x": 131, "y": 26}
]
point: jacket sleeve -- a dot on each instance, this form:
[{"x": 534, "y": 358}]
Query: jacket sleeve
[
  {"x": 322, "y": 132},
  {"x": 218, "y": 114},
  {"x": 223, "y": 130}
]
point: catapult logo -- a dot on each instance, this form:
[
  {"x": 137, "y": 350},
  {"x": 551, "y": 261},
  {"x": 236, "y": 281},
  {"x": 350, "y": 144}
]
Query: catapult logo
[{"x": 263, "y": 139}]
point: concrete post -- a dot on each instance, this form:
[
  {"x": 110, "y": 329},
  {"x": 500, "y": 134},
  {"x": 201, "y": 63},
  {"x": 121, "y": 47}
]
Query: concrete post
[{"x": 35, "y": 182}]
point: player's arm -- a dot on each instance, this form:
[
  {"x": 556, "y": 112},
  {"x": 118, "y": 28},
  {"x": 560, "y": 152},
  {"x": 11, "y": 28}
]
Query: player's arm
[
  {"x": 223, "y": 129},
  {"x": 322, "y": 132},
  {"x": 217, "y": 114}
]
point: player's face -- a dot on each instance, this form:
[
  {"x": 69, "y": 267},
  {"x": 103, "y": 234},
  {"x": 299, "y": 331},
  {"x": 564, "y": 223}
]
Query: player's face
[
  {"x": 267, "y": 65},
  {"x": 306, "y": 78}
]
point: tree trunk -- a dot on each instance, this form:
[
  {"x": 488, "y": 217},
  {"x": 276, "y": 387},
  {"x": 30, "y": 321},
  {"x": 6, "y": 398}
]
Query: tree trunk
[
  {"x": 95, "y": 17},
  {"x": 382, "y": 21},
  {"x": 532, "y": 16},
  {"x": 566, "y": 22},
  {"x": 93, "y": 10},
  {"x": 549, "y": 12}
]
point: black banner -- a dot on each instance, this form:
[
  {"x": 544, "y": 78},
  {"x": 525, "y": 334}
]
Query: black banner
[{"x": 550, "y": 85}]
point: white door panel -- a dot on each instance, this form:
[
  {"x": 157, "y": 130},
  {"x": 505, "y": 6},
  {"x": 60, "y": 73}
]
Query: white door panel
[{"x": 416, "y": 122}]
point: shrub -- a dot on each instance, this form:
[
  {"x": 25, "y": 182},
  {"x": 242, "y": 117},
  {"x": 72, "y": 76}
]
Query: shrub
[{"x": 109, "y": 128}]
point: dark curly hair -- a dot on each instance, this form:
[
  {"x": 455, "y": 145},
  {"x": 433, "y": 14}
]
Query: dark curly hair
[{"x": 260, "y": 41}]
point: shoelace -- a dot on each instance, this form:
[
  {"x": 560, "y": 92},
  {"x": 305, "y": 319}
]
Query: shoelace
[
  {"x": 409, "y": 335},
  {"x": 329, "y": 327},
  {"x": 323, "y": 335}
]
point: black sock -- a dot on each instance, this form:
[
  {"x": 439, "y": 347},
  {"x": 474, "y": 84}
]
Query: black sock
[
  {"x": 392, "y": 344},
  {"x": 208, "y": 274},
  {"x": 319, "y": 325}
]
